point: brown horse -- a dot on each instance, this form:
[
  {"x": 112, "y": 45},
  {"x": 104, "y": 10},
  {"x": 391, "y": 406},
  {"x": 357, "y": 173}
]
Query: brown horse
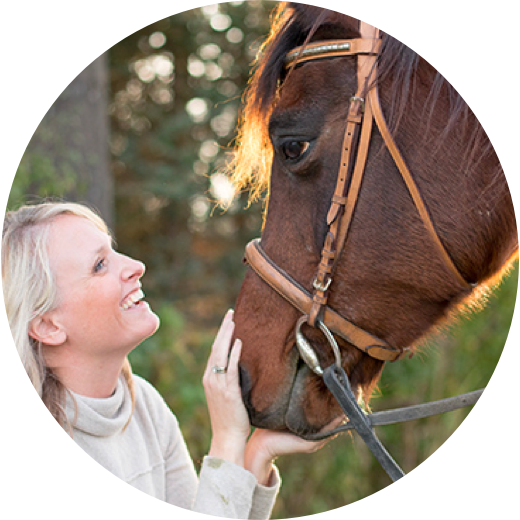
[{"x": 389, "y": 281}]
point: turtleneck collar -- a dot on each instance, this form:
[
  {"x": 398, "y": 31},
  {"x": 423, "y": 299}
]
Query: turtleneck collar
[{"x": 101, "y": 417}]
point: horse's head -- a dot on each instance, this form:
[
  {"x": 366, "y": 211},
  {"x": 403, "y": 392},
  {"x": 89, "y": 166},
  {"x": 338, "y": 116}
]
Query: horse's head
[{"x": 389, "y": 280}]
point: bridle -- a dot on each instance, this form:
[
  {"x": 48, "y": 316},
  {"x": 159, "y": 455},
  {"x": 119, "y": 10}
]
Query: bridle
[
  {"x": 364, "y": 109},
  {"x": 361, "y": 114}
]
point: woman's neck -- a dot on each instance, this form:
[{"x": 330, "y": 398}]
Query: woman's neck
[{"x": 90, "y": 377}]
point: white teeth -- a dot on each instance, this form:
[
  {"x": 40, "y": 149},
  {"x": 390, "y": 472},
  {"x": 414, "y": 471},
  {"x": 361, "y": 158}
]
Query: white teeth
[{"x": 132, "y": 299}]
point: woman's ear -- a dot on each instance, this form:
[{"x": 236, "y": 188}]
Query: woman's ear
[{"x": 47, "y": 331}]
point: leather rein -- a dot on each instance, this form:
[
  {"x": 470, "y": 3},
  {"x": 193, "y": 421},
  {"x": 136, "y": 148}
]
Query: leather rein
[{"x": 364, "y": 109}]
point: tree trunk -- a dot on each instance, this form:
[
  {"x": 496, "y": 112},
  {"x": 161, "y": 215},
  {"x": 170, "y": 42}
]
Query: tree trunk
[{"x": 68, "y": 155}]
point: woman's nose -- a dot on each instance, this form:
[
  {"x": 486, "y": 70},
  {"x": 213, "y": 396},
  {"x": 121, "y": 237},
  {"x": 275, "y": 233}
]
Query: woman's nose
[{"x": 132, "y": 268}]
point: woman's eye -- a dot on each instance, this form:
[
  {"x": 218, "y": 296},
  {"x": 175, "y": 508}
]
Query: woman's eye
[
  {"x": 293, "y": 150},
  {"x": 99, "y": 265}
]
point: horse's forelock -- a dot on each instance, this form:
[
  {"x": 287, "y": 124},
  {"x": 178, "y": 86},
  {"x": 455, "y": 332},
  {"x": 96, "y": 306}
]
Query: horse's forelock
[{"x": 295, "y": 24}]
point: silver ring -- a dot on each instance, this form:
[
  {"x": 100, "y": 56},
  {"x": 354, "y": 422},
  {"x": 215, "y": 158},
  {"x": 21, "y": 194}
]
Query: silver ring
[
  {"x": 306, "y": 350},
  {"x": 219, "y": 370}
]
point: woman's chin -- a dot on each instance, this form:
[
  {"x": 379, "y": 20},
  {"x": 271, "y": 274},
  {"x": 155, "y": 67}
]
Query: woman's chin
[{"x": 145, "y": 319}]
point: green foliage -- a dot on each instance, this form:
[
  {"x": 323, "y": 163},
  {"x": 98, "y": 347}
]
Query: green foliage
[{"x": 37, "y": 175}]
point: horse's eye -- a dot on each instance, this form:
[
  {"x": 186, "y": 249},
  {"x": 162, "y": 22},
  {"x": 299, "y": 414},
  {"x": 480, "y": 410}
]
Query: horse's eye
[{"x": 293, "y": 150}]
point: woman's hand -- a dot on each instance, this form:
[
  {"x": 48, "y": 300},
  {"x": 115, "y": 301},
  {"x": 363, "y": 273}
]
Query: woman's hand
[
  {"x": 265, "y": 446},
  {"x": 229, "y": 420}
]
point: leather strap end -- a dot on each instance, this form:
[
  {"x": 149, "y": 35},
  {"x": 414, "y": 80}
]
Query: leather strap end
[{"x": 333, "y": 213}]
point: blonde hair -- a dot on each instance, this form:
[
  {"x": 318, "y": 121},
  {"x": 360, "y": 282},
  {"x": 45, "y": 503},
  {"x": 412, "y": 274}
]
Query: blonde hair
[{"x": 30, "y": 291}]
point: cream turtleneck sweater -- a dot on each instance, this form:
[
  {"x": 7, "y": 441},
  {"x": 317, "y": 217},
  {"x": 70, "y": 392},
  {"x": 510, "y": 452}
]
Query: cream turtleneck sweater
[{"x": 151, "y": 455}]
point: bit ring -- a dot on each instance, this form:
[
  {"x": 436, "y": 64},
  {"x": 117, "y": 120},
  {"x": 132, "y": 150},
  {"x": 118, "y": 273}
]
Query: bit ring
[{"x": 307, "y": 352}]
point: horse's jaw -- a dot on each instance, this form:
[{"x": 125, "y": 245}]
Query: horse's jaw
[
  {"x": 302, "y": 405},
  {"x": 304, "y": 395}
]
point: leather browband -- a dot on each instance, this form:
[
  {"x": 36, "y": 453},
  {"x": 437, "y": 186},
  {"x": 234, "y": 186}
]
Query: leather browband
[{"x": 333, "y": 48}]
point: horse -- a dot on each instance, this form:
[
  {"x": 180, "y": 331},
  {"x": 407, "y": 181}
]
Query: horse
[{"x": 389, "y": 279}]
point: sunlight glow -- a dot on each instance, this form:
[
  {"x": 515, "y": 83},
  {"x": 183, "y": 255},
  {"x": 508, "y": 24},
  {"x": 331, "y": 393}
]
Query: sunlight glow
[
  {"x": 197, "y": 108},
  {"x": 222, "y": 189}
]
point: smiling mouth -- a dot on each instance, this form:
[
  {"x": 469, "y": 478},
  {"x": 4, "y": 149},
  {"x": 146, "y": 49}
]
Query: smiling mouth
[{"x": 132, "y": 300}]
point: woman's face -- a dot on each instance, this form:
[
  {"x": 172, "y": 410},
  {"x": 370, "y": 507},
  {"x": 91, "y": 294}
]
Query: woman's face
[{"x": 99, "y": 290}]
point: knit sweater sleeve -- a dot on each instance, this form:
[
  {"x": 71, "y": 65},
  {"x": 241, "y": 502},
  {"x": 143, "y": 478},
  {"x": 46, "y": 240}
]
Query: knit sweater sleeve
[
  {"x": 265, "y": 496},
  {"x": 230, "y": 491}
]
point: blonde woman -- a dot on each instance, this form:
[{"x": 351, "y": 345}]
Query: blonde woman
[{"x": 76, "y": 310}]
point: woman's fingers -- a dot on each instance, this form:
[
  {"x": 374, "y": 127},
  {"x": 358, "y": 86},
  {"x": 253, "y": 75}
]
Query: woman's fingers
[
  {"x": 229, "y": 420},
  {"x": 224, "y": 331},
  {"x": 220, "y": 349}
]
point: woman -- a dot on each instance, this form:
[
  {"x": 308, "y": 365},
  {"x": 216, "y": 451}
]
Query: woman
[{"x": 76, "y": 310}]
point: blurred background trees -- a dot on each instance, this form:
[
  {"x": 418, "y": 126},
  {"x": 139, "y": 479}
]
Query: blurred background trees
[
  {"x": 68, "y": 155},
  {"x": 142, "y": 135}
]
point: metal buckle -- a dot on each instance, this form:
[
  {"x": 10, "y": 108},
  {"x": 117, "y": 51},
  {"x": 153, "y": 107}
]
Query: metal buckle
[
  {"x": 308, "y": 353},
  {"x": 361, "y": 100},
  {"x": 320, "y": 286}
]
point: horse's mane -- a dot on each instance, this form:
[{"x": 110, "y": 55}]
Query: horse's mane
[{"x": 251, "y": 164}]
